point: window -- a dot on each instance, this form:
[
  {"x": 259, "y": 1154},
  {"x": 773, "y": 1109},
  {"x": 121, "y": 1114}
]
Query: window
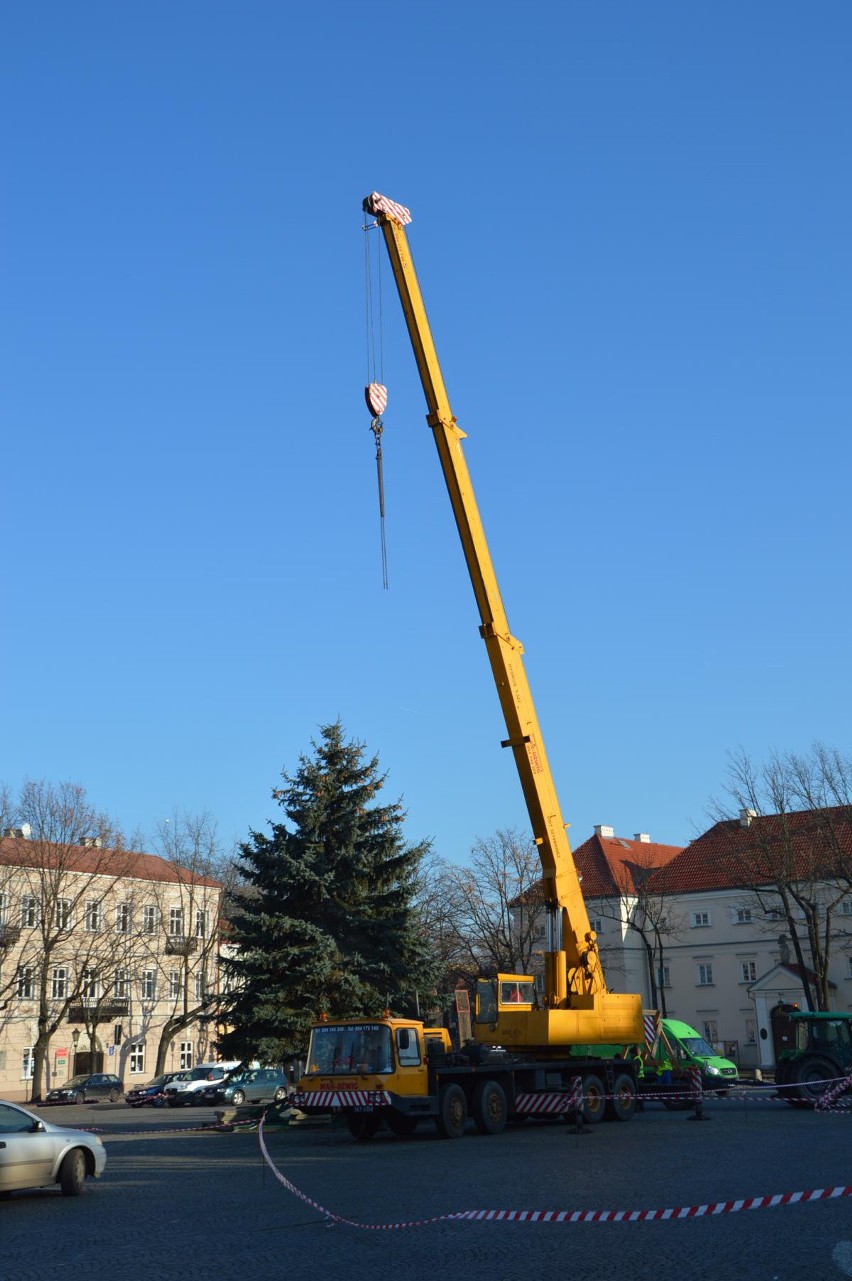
[
  {"x": 90, "y": 986},
  {"x": 176, "y": 922},
  {"x": 93, "y": 919},
  {"x": 201, "y": 918},
  {"x": 705, "y": 974},
  {"x": 185, "y": 1055},
  {"x": 663, "y": 976},
  {"x": 775, "y": 914},
  {"x": 538, "y": 933},
  {"x": 27, "y": 1063},
  {"x": 122, "y": 918},
  {"x": 597, "y": 925},
  {"x": 710, "y": 1030},
  {"x": 4, "y": 906},
  {"x": 25, "y": 982},
  {"x": 849, "y": 967},
  {"x": 407, "y": 1049},
  {"x": 748, "y": 971},
  {"x": 174, "y": 984},
  {"x": 59, "y": 983},
  {"x": 845, "y": 908},
  {"x": 29, "y": 911},
  {"x": 137, "y": 1058},
  {"x": 742, "y": 916},
  {"x": 149, "y": 918},
  {"x": 750, "y": 1032},
  {"x": 149, "y": 985},
  {"x": 698, "y": 919},
  {"x": 63, "y": 913},
  {"x": 200, "y": 985}
]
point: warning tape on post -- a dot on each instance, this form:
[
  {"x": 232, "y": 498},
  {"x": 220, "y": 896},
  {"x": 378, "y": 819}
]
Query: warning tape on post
[{"x": 673, "y": 1214}]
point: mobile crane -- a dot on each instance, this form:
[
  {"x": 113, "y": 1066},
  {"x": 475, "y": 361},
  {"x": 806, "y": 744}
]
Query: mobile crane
[{"x": 530, "y": 1039}]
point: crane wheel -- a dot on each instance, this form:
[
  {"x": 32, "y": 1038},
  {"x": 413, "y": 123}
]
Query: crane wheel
[
  {"x": 622, "y": 1105},
  {"x": 489, "y": 1108},
  {"x": 452, "y": 1114},
  {"x": 363, "y": 1125},
  {"x": 594, "y": 1098}
]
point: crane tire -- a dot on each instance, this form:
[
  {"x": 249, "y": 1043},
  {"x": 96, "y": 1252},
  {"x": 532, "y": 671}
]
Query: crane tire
[
  {"x": 363, "y": 1125},
  {"x": 622, "y": 1105},
  {"x": 594, "y": 1098},
  {"x": 451, "y": 1120},
  {"x": 489, "y": 1108}
]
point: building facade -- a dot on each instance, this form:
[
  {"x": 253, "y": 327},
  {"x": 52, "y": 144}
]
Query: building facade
[
  {"x": 108, "y": 961},
  {"x": 703, "y": 933}
]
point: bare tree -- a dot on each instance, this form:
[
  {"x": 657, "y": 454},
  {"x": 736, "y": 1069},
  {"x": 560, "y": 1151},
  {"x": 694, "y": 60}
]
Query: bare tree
[
  {"x": 486, "y": 916},
  {"x": 794, "y": 852},
  {"x": 185, "y": 946},
  {"x": 61, "y": 856},
  {"x": 640, "y": 901}
]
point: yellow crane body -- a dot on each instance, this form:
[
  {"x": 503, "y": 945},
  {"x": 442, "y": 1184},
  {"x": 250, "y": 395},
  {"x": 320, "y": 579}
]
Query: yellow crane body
[{"x": 577, "y": 1008}]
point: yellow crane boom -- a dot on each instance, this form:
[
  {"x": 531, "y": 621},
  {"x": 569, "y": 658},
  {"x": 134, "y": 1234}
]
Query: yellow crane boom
[{"x": 574, "y": 980}]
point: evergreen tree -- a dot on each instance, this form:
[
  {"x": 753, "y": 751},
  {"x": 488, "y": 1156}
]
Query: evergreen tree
[{"x": 326, "y": 922}]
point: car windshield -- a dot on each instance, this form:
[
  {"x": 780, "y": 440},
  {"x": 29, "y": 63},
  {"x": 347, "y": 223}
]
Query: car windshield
[
  {"x": 355, "y": 1047},
  {"x": 698, "y": 1046},
  {"x": 75, "y": 1080},
  {"x": 158, "y": 1080}
]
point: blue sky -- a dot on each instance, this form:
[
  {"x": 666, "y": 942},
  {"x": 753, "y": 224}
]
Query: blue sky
[{"x": 631, "y": 227}]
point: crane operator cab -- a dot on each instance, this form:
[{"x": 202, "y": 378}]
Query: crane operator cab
[{"x": 503, "y": 991}]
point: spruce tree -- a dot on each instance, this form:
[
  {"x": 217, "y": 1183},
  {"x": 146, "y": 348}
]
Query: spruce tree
[{"x": 326, "y": 922}]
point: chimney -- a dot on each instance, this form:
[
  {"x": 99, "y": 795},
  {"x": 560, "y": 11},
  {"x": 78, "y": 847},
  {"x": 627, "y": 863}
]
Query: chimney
[
  {"x": 643, "y": 837},
  {"x": 746, "y": 817},
  {"x": 22, "y": 833},
  {"x": 606, "y": 832},
  {"x": 91, "y": 843}
]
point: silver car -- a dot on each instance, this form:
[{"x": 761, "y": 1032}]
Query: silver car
[{"x": 35, "y": 1153}]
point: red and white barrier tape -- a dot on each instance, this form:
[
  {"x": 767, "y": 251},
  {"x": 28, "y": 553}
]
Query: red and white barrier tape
[{"x": 563, "y": 1216}]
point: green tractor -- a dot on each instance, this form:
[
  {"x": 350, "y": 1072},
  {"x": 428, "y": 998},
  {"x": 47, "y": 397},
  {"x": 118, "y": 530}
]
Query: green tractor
[{"x": 822, "y": 1052}]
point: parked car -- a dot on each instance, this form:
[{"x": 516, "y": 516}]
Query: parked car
[
  {"x": 150, "y": 1095},
  {"x": 82, "y": 1089},
  {"x": 185, "y": 1089},
  {"x": 255, "y": 1085},
  {"x": 35, "y": 1153}
]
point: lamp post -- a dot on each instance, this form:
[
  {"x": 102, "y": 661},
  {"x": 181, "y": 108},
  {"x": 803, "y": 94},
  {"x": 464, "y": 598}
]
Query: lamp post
[{"x": 75, "y": 1038}]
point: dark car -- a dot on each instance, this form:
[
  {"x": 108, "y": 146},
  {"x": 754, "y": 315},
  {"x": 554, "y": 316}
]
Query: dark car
[
  {"x": 150, "y": 1095},
  {"x": 254, "y": 1085},
  {"x": 81, "y": 1089}
]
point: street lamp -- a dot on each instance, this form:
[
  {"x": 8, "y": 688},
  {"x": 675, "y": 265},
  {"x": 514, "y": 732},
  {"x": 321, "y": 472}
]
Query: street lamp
[{"x": 75, "y": 1038}]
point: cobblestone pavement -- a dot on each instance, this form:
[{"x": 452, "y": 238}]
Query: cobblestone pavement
[{"x": 181, "y": 1201}]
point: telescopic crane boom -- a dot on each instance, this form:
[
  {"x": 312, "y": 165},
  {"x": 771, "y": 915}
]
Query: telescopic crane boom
[{"x": 578, "y": 1007}]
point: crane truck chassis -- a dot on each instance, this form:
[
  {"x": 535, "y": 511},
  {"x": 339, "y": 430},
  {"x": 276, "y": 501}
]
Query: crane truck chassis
[{"x": 398, "y": 1073}]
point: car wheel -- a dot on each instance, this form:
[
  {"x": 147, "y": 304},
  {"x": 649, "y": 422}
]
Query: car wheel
[
  {"x": 72, "y": 1173},
  {"x": 79, "y": 1097},
  {"x": 114, "y": 1096},
  {"x": 238, "y": 1098},
  {"x": 173, "y": 1103}
]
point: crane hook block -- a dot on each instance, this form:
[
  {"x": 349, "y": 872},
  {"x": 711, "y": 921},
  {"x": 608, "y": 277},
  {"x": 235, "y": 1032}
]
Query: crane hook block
[{"x": 376, "y": 397}]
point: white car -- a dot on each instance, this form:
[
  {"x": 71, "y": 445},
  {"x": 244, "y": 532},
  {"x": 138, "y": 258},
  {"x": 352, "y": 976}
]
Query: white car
[
  {"x": 36, "y": 1153},
  {"x": 186, "y": 1087}
]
